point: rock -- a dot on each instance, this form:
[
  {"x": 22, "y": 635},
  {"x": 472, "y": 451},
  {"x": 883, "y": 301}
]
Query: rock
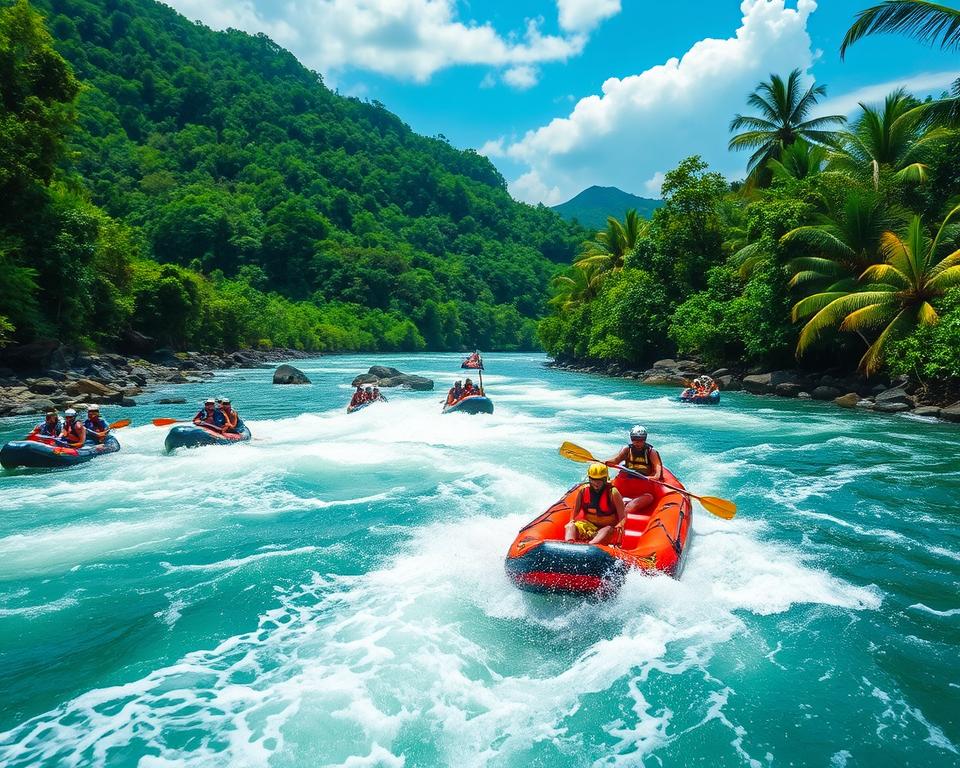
[
  {"x": 383, "y": 371},
  {"x": 176, "y": 378},
  {"x": 43, "y": 386},
  {"x": 758, "y": 384},
  {"x": 172, "y": 401},
  {"x": 729, "y": 383},
  {"x": 364, "y": 378},
  {"x": 667, "y": 379},
  {"x": 287, "y": 374},
  {"x": 868, "y": 404},
  {"x": 927, "y": 410},
  {"x": 36, "y": 356},
  {"x": 849, "y": 400},
  {"x": 894, "y": 395},
  {"x": 825, "y": 393},
  {"x": 951, "y": 413},
  {"x": 667, "y": 364},
  {"x": 166, "y": 357},
  {"x": 787, "y": 389},
  {"x": 890, "y": 407},
  {"x": 89, "y": 387},
  {"x": 720, "y": 372},
  {"x": 131, "y": 391},
  {"x": 408, "y": 381},
  {"x": 128, "y": 402},
  {"x": 804, "y": 396}
]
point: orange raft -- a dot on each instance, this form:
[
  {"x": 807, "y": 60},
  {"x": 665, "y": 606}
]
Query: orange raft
[{"x": 654, "y": 539}]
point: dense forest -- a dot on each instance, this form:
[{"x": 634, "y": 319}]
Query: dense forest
[
  {"x": 839, "y": 250},
  {"x": 208, "y": 191}
]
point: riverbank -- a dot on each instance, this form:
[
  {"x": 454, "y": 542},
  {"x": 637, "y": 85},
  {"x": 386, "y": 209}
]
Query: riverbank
[
  {"x": 38, "y": 377},
  {"x": 879, "y": 394}
]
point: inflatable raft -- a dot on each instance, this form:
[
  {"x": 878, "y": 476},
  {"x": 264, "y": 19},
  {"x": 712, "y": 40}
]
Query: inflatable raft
[
  {"x": 654, "y": 539},
  {"x": 471, "y": 404},
  {"x": 358, "y": 407},
  {"x": 49, "y": 454},
  {"x": 192, "y": 436},
  {"x": 688, "y": 396}
]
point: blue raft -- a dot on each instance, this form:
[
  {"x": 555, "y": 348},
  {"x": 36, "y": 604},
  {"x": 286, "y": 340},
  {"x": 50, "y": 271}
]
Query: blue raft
[
  {"x": 471, "y": 404},
  {"x": 34, "y": 453},
  {"x": 687, "y": 396},
  {"x": 192, "y": 436}
]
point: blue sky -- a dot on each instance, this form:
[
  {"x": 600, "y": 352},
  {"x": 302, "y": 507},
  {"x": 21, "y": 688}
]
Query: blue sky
[{"x": 563, "y": 94}]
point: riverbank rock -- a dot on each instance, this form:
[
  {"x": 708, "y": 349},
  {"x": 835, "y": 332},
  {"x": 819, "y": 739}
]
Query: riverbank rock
[
  {"x": 287, "y": 374},
  {"x": 849, "y": 400},
  {"x": 930, "y": 411},
  {"x": 951, "y": 413},
  {"x": 826, "y": 393},
  {"x": 894, "y": 396},
  {"x": 385, "y": 376},
  {"x": 172, "y": 401},
  {"x": 767, "y": 383},
  {"x": 890, "y": 407}
]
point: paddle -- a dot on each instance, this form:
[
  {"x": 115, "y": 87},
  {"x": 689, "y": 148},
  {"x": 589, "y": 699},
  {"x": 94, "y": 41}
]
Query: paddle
[
  {"x": 714, "y": 505},
  {"x": 165, "y": 422},
  {"x": 120, "y": 424}
]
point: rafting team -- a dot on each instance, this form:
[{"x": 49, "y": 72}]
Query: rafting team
[
  {"x": 460, "y": 391},
  {"x": 366, "y": 395},
  {"x": 70, "y": 431},
  {"x": 598, "y": 515},
  {"x": 703, "y": 386},
  {"x": 219, "y": 415}
]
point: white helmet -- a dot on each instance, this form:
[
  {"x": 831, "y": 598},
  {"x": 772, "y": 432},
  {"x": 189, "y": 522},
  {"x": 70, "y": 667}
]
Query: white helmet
[
  {"x": 69, "y": 412},
  {"x": 638, "y": 431}
]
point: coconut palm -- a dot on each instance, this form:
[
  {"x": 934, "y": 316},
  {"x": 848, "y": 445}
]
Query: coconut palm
[
  {"x": 893, "y": 141},
  {"x": 610, "y": 247},
  {"x": 927, "y": 22},
  {"x": 843, "y": 242},
  {"x": 783, "y": 107},
  {"x": 800, "y": 160},
  {"x": 894, "y": 297},
  {"x": 578, "y": 285}
]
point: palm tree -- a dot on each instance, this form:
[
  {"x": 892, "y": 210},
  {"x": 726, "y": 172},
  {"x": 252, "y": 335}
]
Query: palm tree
[
  {"x": 843, "y": 242},
  {"x": 783, "y": 108},
  {"x": 610, "y": 247},
  {"x": 894, "y": 297},
  {"x": 578, "y": 285},
  {"x": 800, "y": 160},
  {"x": 927, "y": 22},
  {"x": 891, "y": 141}
]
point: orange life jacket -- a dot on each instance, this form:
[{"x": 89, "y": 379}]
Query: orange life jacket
[{"x": 597, "y": 507}]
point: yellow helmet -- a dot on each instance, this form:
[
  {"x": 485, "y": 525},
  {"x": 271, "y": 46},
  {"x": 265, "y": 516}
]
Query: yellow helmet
[{"x": 598, "y": 471}]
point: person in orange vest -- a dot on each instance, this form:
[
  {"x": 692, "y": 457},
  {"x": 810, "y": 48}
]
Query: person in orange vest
[
  {"x": 97, "y": 428},
  {"x": 598, "y": 514},
  {"x": 73, "y": 432}
]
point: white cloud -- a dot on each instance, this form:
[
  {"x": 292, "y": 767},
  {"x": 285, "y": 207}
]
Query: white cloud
[
  {"x": 654, "y": 184},
  {"x": 408, "y": 39},
  {"x": 493, "y": 148},
  {"x": 521, "y": 78},
  {"x": 644, "y": 123},
  {"x": 584, "y": 15},
  {"x": 925, "y": 83}
]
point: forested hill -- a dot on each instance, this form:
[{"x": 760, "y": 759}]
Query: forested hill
[
  {"x": 592, "y": 206},
  {"x": 224, "y": 155}
]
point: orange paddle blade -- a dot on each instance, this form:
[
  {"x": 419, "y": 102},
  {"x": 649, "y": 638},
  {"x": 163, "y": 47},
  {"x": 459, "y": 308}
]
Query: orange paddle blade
[
  {"x": 164, "y": 422},
  {"x": 120, "y": 424}
]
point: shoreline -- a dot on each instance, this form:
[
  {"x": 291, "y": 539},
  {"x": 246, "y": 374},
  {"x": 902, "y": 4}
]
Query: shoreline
[
  {"x": 53, "y": 377},
  {"x": 852, "y": 392}
]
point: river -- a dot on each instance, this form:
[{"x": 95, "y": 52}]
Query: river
[{"x": 333, "y": 592}]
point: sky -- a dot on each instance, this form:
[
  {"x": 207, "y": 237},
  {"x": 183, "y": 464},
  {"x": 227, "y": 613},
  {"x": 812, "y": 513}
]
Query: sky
[{"x": 564, "y": 94}]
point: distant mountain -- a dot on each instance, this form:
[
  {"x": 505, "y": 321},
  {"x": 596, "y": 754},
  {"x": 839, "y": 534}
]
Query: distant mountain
[{"x": 592, "y": 206}]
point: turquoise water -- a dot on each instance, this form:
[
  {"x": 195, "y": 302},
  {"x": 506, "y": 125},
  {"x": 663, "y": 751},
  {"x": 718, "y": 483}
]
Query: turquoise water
[{"x": 333, "y": 593}]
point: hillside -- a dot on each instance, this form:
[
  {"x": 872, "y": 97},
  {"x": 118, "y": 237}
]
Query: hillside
[
  {"x": 224, "y": 155},
  {"x": 592, "y": 206}
]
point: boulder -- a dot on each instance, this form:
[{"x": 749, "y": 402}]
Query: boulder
[
  {"x": 849, "y": 400},
  {"x": 896, "y": 395},
  {"x": 165, "y": 357},
  {"x": 729, "y": 383},
  {"x": 365, "y": 378},
  {"x": 720, "y": 372},
  {"x": 927, "y": 410},
  {"x": 826, "y": 393},
  {"x": 667, "y": 364},
  {"x": 127, "y": 402},
  {"x": 408, "y": 381},
  {"x": 667, "y": 379},
  {"x": 287, "y": 374},
  {"x": 951, "y": 413},
  {"x": 804, "y": 396},
  {"x": 89, "y": 387},
  {"x": 43, "y": 386},
  {"x": 891, "y": 407},
  {"x": 172, "y": 401},
  {"x": 787, "y": 389},
  {"x": 868, "y": 404},
  {"x": 383, "y": 371}
]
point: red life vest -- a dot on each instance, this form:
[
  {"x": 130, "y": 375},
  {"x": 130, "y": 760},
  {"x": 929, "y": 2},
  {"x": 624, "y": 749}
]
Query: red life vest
[{"x": 597, "y": 507}]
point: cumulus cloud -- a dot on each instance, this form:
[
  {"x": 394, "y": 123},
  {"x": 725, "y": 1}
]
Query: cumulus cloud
[
  {"x": 584, "y": 15},
  {"x": 639, "y": 125},
  {"x": 408, "y": 39},
  {"x": 521, "y": 78},
  {"x": 926, "y": 83}
]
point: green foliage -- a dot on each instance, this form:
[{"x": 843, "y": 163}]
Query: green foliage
[
  {"x": 931, "y": 351},
  {"x": 629, "y": 318}
]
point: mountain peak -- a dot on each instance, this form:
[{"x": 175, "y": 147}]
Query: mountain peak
[{"x": 592, "y": 206}]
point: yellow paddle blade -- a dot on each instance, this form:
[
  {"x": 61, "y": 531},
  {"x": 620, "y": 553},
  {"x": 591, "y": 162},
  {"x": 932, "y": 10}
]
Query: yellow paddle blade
[
  {"x": 720, "y": 507},
  {"x": 120, "y": 424},
  {"x": 576, "y": 453}
]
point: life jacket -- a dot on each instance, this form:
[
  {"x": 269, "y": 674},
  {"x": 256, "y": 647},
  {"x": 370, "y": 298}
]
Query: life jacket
[
  {"x": 639, "y": 462},
  {"x": 47, "y": 431},
  {"x": 217, "y": 416},
  {"x": 97, "y": 425},
  {"x": 71, "y": 432},
  {"x": 597, "y": 507},
  {"x": 236, "y": 418}
]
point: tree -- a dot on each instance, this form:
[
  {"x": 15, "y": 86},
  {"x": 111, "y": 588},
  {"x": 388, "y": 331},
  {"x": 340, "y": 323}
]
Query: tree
[
  {"x": 610, "y": 247},
  {"x": 894, "y": 297},
  {"x": 783, "y": 107}
]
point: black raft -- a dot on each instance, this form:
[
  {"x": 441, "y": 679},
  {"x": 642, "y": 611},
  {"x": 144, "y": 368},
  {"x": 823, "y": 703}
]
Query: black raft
[
  {"x": 193, "y": 436},
  {"x": 33, "y": 453}
]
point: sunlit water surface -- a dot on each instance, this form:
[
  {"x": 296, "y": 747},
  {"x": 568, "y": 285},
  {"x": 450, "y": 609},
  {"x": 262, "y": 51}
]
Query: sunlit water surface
[{"x": 333, "y": 592}]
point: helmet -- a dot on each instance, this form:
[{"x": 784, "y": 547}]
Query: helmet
[
  {"x": 209, "y": 401},
  {"x": 69, "y": 412},
  {"x": 224, "y": 401},
  {"x": 93, "y": 409},
  {"x": 638, "y": 431},
  {"x": 598, "y": 471}
]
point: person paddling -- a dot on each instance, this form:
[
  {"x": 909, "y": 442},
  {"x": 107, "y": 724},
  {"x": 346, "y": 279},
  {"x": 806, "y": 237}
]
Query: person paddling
[
  {"x": 598, "y": 513},
  {"x": 49, "y": 428},
  {"x": 641, "y": 457},
  {"x": 73, "y": 432},
  {"x": 208, "y": 416},
  {"x": 97, "y": 429},
  {"x": 231, "y": 419}
]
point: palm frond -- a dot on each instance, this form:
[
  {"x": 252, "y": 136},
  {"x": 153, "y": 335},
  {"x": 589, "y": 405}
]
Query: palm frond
[
  {"x": 900, "y": 326},
  {"x": 833, "y": 313},
  {"x": 921, "y": 20},
  {"x": 871, "y": 316}
]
